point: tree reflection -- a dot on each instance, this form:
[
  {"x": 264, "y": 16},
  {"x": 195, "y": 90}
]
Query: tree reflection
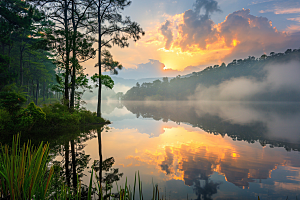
[
  {"x": 204, "y": 189},
  {"x": 111, "y": 174},
  {"x": 210, "y": 118}
]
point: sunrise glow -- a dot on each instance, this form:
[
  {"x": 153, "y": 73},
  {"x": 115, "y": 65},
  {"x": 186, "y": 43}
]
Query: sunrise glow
[
  {"x": 178, "y": 43},
  {"x": 189, "y": 146}
]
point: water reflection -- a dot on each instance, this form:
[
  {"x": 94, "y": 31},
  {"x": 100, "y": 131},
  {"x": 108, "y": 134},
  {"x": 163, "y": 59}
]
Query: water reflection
[
  {"x": 70, "y": 160},
  {"x": 185, "y": 141},
  {"x": 269, "y": 123},
  {"x": 200, "y": 150}
]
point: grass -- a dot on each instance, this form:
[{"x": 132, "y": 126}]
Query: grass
[{"x": 24, "y": 172}]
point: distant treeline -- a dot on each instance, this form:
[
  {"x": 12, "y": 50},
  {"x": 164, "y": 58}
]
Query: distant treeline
[{"x": 181, "y": 88}]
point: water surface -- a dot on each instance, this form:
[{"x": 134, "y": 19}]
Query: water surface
[{"x": 205, "y": 150}]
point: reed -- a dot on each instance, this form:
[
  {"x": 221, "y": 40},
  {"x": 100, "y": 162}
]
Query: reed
[{"x": 24, "y": 172}]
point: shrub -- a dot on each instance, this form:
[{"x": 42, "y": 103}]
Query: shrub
[
  {"x": 5, "y": 119},
  {"x": 30, "y": 116},
  {"x": 88, "y": 117},
  {"x": 11, "y": 101},
  {"x": 59, "y": 115}
]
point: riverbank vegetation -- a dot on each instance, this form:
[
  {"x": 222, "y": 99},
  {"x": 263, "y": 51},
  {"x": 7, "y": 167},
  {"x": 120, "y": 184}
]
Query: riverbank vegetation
[{"x": 15, "y": 117}]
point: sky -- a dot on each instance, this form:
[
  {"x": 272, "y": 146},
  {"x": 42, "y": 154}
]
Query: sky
[{"x": 183, "y": 36}]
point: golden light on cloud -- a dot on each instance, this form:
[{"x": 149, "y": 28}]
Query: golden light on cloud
[
  {"x": 184, "y": 40},
  {"x": 235, "y": 42}
]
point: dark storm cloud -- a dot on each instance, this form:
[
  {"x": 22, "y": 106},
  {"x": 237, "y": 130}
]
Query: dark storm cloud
[{"x": 167, "y": 33}]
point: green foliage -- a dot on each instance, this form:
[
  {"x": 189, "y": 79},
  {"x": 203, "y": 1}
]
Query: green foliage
[
  {"x": 88, "y": 117},
  {"x": 5, "y": 119},
  {"x": 105, "y": 80},
  {"x": 11, "y": 101},
  {"x": 23, "y": 171},
  {"x": 5, "y": 74},
  {"x": 58, "y": 115},
  {"x": 108, "y": 63},
  {"x": 30, "y": 116}
]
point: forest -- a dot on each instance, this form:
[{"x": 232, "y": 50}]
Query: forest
[
  {"x": 43, "y": 45},
  {"x": 184, "y": 87}
]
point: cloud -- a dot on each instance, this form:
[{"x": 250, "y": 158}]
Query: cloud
[
  {"x": 210, "y": 6},
  {"x": 297, "y": 19},
  {"x": 153, "y": 69},
  {"x": 279, "y": 11},
  {"x": 278, "y": 79},
  {"x": 252, "y": 34},
  {"x": 259, "y": 2},
  {"x": 197, "y": 29},
  {"x": 168, "y": 162},
  {"x": 294, "y": 29},
  {"x": 167, "y": 33},
  {"x": 239, "y": 35}
]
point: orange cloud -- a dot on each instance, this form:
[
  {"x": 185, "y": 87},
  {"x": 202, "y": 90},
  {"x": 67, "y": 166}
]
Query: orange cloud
[{"x": 193, "y": 39}]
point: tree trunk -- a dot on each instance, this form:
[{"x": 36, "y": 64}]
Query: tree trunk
[
  {"x": 67, "y": 54},
  {"x": 28, "y": 92},
  {"x": 37, "y": 92},
  {"x": 67, "y": 152},
  {"x": 99, "y": 62},
  {"x": 47, "y": 93},
  {"x": 3, "y": 48},
  {"x": 74, "y": 60},
  {"x": 100, "y": 154},
  {"x": 33, "y": 93},
  {"x": 21, "y": 65},
  {"x": 9, "y": 51},
  {"x": 44, "y": 90},
  {"x": 74, "y": 164}
]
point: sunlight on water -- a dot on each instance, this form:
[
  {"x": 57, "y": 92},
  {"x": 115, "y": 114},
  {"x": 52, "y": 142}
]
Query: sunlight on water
[{"x": 183, "y": 158}]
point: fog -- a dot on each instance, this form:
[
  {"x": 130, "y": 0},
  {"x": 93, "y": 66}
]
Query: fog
[{"x": 280, "y": 80}]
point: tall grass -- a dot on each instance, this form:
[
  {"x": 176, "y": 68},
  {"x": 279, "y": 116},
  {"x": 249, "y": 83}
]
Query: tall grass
[{"x": 24, "y": 171}]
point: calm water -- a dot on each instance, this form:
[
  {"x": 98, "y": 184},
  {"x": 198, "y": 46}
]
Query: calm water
[
  {"x": 205, "y": 150},
  {"x": 198, "y": 150}
]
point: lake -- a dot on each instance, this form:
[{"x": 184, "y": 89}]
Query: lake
[{"x": 205, "y": 150}]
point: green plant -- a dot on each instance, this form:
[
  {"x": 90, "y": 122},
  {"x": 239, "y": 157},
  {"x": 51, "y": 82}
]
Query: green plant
[
  {"x": 59, "y": 115},
  {"x": 24, "y": 172},
  {"x": 11, "y": 101},
  {"x": 30, "y": 116},
  {"x": 5, "y": 119}
]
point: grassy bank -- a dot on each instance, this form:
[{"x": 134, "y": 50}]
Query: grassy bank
[{"x": 32, "y": 118}]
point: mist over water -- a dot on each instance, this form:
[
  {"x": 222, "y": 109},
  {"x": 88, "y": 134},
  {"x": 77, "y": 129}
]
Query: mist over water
[{"x": 281, "y": 81}]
